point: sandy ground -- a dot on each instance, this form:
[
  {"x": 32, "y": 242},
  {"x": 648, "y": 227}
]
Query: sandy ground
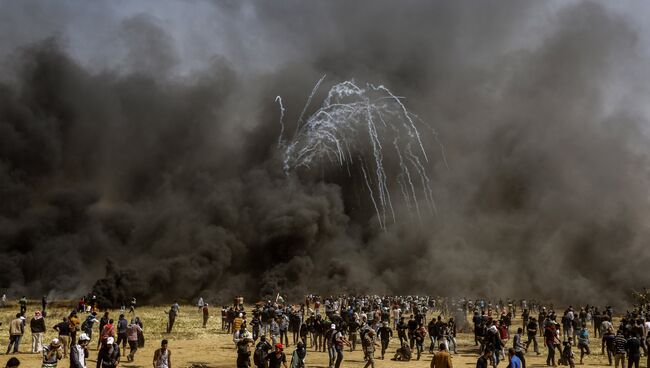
[{"x": 191, "y": 345}]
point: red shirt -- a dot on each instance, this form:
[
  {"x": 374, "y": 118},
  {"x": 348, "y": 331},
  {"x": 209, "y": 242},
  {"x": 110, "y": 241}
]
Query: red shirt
[{"x": 107, "y": 331}]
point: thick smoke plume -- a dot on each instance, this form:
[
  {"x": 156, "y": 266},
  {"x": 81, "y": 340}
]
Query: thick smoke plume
[{"x": 139, "y": 146}]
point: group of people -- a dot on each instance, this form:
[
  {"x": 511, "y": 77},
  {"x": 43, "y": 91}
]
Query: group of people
[
  {"x": 337, "y": 325},
  {"x": 74, "y": 335}
]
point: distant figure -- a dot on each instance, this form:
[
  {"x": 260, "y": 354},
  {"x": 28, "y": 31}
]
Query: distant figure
[
  {"x": 162, "y": 356},
  {"x": 3, "y": 302},
  {"x": 200, "y": 303},
  {"x": 206, "y": 314},
  {"x": 173, "y": 312},
  {"x": 43, "y": 303},
  {"x": 132, "y": 306},
  {"x": 23, "y": 305}
]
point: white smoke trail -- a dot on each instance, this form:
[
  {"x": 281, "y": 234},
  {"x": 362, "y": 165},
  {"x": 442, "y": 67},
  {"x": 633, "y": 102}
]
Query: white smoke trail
[{"x": 359, "y": 122}]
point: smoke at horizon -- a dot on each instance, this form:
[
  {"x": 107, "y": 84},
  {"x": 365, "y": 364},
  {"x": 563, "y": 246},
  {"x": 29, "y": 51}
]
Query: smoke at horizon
[{"x": 144, "y": 151}]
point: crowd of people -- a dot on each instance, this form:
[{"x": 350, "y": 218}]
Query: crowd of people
[
  {"x": 339, "y": 324},
  {"x": 74, "y": 333},
  {"x": 342, "y": 324}
]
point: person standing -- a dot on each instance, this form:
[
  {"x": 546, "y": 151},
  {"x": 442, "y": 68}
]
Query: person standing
[
  {"x": 52, "y": 354},
  {"x": 63, "y": 328},
  {"x": 206, "y": 314},
  {"x": 79, "y": 352},
  {"x": 74, "y": 322},
  {"x": 162, "y": 356},
  {"x": 16, "y": 331},
  {"x": 44, "y": 304},
  {"x": 102, "y": 322},
  {"x": 37, "y": 326}
]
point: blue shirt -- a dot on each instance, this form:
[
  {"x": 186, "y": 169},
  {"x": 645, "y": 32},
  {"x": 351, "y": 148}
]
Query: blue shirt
[{"x": 515, "y": 362}]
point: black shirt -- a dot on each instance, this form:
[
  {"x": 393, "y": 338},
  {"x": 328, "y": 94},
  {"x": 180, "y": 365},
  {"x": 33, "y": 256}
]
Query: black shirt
[
  {"x": 63, "y": 328},
  {"x": 275, "y": 361},
  {"x": 482, "y": 362}
]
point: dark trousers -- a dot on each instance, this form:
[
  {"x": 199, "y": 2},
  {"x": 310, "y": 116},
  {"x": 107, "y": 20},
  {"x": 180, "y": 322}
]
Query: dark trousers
[
  {"x": 170, "y": 323},
  {"x": 550, "y": 358},
  {"x": 532, "y": 338},
  {"x": 384, "y": 346},
  {"x": 339, "y": 357},
  {"x": 14, "y": 340},
  {"x": 121, "y": 338},
  {"x": 205, "y": 321},
  {"x": 633, "y": 359},
  {"x": 133, "y": 347}
]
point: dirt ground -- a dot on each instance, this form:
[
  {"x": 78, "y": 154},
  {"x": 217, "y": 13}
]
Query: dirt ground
[{"x": 192, "y": 345}]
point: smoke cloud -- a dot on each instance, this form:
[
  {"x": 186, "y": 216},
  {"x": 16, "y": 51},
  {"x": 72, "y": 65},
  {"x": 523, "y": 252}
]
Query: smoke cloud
[{"x": 138, "y": 147}]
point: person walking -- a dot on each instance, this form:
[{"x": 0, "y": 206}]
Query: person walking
[
  {"x": 442, "y": 358},
  {"x": 172, "y": 314},
  {"x": 620, "y": 348},
  {"x": 369, "y": 348},
  {"x": 109, "y": 354},
  {"x": 122, "y": 324},
  {"x": 132, "y": 332}
]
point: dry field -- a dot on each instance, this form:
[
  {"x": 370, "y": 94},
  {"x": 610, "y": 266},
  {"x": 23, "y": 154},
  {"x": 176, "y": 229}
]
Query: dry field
[{"x": 192, "y": 345}]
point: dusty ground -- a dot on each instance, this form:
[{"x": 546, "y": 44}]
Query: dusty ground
[{"x": 192, "y": 345}]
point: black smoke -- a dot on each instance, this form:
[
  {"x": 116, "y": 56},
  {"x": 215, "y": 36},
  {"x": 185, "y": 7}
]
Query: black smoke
[{"x": 156, "y": 153}]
